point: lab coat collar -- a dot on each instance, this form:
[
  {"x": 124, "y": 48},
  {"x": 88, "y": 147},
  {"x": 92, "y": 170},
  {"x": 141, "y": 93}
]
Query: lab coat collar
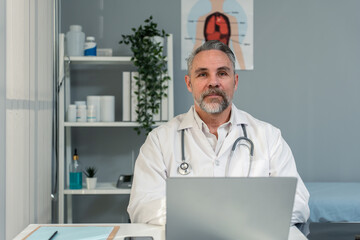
[{"x": 239, "y": 117}]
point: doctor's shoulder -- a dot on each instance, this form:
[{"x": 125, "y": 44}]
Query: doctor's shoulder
[
  {"x": 260, "y": 127},
  {"x": 167, "y": 127}
]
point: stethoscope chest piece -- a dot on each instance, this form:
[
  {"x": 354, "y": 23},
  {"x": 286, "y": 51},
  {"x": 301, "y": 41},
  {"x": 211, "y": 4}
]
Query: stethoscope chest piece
[{"x": 184, "y": 168}]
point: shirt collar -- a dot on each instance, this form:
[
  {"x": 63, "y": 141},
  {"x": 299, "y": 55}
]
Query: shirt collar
[
  {"x": 200, "y": 123},
  {"x": 190, "y": 120}
]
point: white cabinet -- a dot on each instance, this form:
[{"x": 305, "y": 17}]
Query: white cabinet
[{"x": 64, "y": 128}]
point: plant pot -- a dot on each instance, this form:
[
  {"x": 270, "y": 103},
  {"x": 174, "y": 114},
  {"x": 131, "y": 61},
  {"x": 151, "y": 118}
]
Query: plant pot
[
  {"x": 91, "y": 183},
  {"x": 156, "y": 39}
]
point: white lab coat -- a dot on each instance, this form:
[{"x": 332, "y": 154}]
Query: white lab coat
[{"x": 160, "y": 156}]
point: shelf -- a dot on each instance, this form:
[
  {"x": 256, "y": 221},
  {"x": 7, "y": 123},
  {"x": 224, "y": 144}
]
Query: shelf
[
  {"x": 105, "y": 124},
  {"x": 101, "y": 188},
  {"x": 67, "y": 67},
  {"x": 98, "y": 60}
]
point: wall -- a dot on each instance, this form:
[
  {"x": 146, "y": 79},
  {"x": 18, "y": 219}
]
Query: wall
[
  {"x": 306, "y": 82},
  {"x": 26, "y": 103},
  {"x": 305, "y": 79}
]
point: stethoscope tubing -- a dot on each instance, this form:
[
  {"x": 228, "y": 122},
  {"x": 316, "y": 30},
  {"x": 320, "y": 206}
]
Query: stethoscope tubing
[
  {"x": 232, "y": 153},
  {"x": 186, "y": 170}
]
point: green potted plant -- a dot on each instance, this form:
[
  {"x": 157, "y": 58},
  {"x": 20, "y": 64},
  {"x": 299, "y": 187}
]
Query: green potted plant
[
  {"x": 90, "y": 177},
  {"x": 151, "y": 63}
]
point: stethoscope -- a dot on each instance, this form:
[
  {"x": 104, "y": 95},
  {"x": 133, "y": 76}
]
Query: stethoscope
[{"x": 185, "y": 167}]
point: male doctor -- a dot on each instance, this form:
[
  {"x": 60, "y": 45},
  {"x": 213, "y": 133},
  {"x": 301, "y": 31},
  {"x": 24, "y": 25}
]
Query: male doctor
[{"x": 209, "y": 130}]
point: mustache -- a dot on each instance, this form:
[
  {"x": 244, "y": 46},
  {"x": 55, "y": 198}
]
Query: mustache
[{"x": 213, "y": 91}]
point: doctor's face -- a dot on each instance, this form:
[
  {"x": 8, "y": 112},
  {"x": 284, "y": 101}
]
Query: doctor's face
[{"x": 212, "y": 81}]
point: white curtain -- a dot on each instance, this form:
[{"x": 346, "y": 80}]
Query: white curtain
[{"x": 28, "y": 114}]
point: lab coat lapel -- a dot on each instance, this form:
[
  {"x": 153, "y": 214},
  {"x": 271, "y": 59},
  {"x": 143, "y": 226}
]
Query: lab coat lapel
[
  {"x": 239, "y": 163},
  {"x": 236, "y": 119},
  {"x": 197, "y": 135}
]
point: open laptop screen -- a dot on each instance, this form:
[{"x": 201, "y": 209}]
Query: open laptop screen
[{"x": 229, "y": 208}]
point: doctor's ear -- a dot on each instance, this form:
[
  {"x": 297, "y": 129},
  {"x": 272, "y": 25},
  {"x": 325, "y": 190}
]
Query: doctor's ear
[{"x": 188, "y": 83}]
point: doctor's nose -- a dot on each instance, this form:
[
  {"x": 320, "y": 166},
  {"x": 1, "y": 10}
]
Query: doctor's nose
[{"x": 214, "y": 81}]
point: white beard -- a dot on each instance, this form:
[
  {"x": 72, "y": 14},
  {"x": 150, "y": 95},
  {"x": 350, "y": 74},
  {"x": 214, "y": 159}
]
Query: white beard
[{"x": 215, "y": 106}]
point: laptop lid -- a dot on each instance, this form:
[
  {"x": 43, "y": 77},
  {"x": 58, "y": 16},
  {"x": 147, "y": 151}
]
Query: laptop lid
[{"x": 229, "y": 208}]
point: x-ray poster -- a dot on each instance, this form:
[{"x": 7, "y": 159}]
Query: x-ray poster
[{"x": 229, "y": 21}]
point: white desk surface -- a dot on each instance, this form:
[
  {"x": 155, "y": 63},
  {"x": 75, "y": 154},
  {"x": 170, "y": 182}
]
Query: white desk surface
[{"x": 126, "y": 230}]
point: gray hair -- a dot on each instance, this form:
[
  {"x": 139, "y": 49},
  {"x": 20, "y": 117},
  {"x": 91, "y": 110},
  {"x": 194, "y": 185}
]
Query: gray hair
[{"x": 211, "y": 45}]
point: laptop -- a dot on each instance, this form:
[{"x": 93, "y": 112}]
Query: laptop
[{"x": 229, "y": 208}]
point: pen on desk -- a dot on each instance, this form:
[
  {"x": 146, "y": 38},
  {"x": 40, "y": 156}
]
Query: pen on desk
[{"x": 52, "y": 236}]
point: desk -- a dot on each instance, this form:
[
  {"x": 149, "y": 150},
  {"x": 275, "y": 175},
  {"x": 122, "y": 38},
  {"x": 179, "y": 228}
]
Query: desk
[{"x": 158, "y": 232}]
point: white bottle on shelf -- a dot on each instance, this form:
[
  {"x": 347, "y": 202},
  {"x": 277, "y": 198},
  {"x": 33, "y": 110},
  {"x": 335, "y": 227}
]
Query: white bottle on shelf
[
  {"x": 71, "y": 113},
  {"x": 75, "y": 40},
  {"x": 91, "y": 113},
  {"x": 94, "y": 100},
  {"x": 81, "y": 113},
  {"x": 90, "y": 46},
  {"x": 107, "y": 108},
  {"x": 78, "y": 103}
]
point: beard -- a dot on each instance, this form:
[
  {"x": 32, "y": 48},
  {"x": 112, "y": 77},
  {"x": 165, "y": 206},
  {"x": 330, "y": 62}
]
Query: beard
[{"x": 215, "y": 105}]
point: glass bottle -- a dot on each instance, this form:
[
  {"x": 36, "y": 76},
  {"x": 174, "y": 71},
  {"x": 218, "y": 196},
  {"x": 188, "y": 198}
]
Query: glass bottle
[{"x": 75, "y": 170}]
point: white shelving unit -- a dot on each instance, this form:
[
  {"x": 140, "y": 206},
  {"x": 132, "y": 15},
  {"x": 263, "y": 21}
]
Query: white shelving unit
[
  {"x": 64, "y": 138},
  {"x": 97, "y": 59},
  {"x": 101, "y": 188}
]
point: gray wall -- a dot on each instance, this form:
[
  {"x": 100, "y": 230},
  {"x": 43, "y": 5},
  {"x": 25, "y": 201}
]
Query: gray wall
[{"x": 305, "y": 81}]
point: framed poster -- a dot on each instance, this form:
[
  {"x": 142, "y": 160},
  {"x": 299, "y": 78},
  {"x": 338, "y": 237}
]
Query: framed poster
[{"x": 229, "y": 21}]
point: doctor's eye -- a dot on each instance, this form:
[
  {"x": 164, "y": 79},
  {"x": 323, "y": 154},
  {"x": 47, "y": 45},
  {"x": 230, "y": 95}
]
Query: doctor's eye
[
  {"x": 223, "y": 73},
  {"x": 203, "y": 74}
]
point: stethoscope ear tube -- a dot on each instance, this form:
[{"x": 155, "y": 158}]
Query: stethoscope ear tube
[
  {"x": 251, "y": 148},
  {"x": 182, "y": 146},
  {"x": 246, "y": 139},
  {"x": 185, "y": 167}
]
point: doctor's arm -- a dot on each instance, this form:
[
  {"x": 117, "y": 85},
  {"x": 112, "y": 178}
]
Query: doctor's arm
[
  {"x": 147, "y": 199},
  {"x": 282, "y": 163}
]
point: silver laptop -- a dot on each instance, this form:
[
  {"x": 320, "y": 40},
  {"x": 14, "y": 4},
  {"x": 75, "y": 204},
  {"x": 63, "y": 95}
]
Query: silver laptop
[{"x": 229, "y": 208}]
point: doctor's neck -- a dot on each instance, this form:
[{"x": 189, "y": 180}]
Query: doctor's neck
[{"x": 214, "y": 120}]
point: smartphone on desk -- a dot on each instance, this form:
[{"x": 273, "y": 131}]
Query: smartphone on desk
[{"x": 139, "y": 238}]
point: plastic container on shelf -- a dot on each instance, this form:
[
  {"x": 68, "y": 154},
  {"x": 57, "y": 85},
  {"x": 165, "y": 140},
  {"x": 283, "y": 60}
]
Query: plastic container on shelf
[
  {"x": 107, "y": 108},
  {"x": 78, "y": 103},
  {"x": 71, "y": 113},
  {"x": 91, "y": 113},
  {"x": 106, "y": 52},
  {"x": 95, "y": 100},
  {"x": 75, "y": 41},
  {"x": 90, "y": 46},
  {"x": 81, "y": 113}
]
